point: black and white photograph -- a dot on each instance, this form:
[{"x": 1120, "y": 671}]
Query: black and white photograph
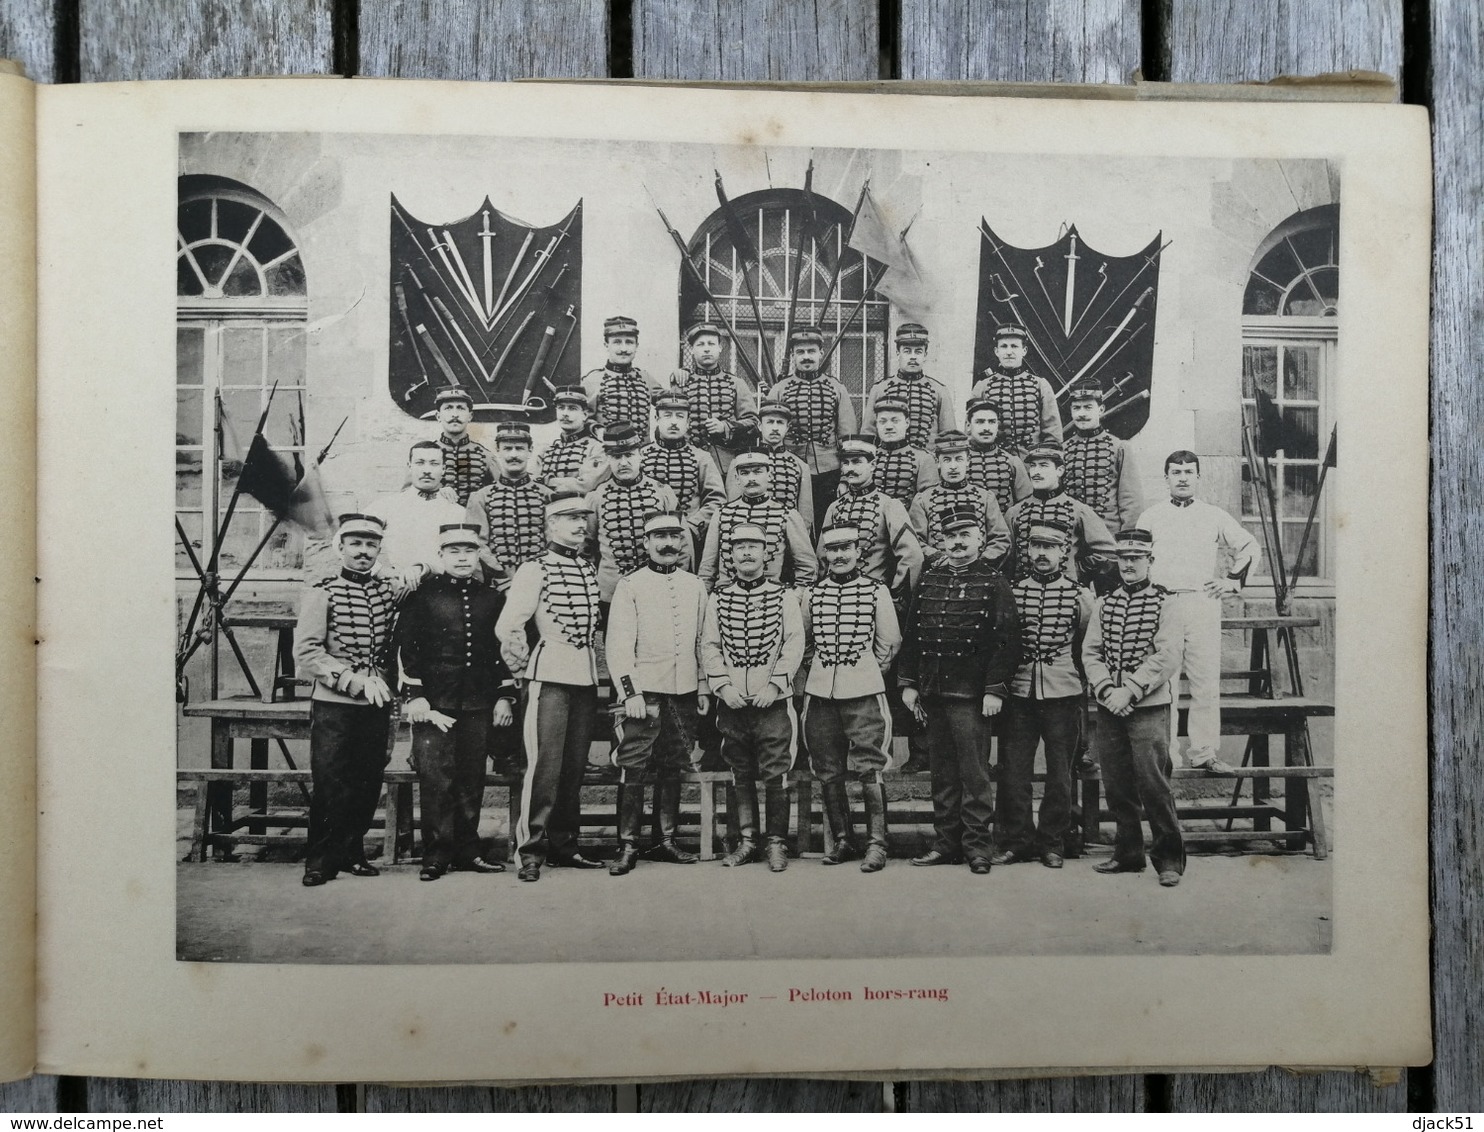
[{"x": 595, "y": 550}]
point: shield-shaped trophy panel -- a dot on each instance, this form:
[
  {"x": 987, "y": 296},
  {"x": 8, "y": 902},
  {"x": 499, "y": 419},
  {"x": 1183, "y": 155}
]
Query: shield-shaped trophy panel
[
  {"x": 1088, "y": 316},
  {"x": 489, "y": 304}
]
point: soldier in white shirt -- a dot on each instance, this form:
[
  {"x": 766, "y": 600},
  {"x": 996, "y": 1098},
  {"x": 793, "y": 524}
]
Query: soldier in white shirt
[
  {"x": 654, "y": 657},
  {"x": 1192, "y": 537},
  {"x": 414, "y": 516}
]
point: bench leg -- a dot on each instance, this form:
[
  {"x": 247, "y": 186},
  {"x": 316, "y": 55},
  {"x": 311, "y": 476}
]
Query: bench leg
[
  {"x": 1260, "y": 786},
  {"x": 1092, "y": 802},
  {"x": 219, "y": 806},
  {"x": 257, "y": 792},
  {"x": 390, "y": 823},
  {"x": 708, "y": 820},
  {"x": 404, "y": 820},
  {"x": 198, "y": 825}
]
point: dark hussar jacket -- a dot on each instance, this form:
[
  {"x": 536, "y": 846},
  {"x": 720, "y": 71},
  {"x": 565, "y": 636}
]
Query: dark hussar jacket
[
  {"x": 446, "y": 639},
  {"x": 963, "y": 633}
]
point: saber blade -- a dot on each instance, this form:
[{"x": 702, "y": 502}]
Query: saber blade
[{"x": 1066, "y": 318}]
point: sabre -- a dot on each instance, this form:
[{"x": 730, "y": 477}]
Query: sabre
[
  {"x": 458, "y": 260},
  {"x": 514, "y": 266},
  {"x": 571, "y": 317},
  {"x": 1141, "y": 395},
  {"x": 542, "y": 258},
  {"x": 1149, "y": 261},
  {"x": 1009, "y": 300},
  {"x": 488, "y": 237},
  {"x": 1134, "y": 333},
  {"x": 458, "y": 284},
  {"x": 438, "y": 357},
  {"x": 1071, "y": 257},
  {"x": 468, "y": 346},
  {"x": 1102, "y": 282},
  {"x": 439, "y": 309},
  {"x": 1133, "y": 310},
  {"x": 1000, "y": 255},
  {"x": 509, "y": 346},
  {"x": 1042, "y": 283},
  {"x": 547, "y": 336},
  {"x": 411, "y": 338}
]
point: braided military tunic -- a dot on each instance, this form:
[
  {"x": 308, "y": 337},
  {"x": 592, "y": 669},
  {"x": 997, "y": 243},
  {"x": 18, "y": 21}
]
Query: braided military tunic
[
  {"x": 467, "y": 466},
  {"x": 576, "y": 457},
  {"x": 715, "y": 394},
  {"x": 345, "y": 627},
  {"x": 963, "y": 638},
  {"x": 1092, "y": 472},
  {"x": 863, "y": 509},
  {"x": 620, "y": 510},
  {"x": 822, "y": 412},
  {"x": 1029, "y": 414},
  {"x": 842, "y": 620},
  {"x": 993, "y": 469},
  {"x": 511, "y": 516},
  {"x": 767, "y": 514},
  {"x": 621, "y": 395},
  {"x": 902, "y": 470},
  {"x": 1122, "y": 650},
  {"x": 1052, "y": 615},
  {"x": 1060, "y": 508},
  {"x": 925, "y": 406}
]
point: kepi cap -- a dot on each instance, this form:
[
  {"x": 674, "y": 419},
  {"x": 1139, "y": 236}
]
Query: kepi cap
[
  {"x": 752, "y": 458},
  {"x": 620, "y": 324},
  {"x": 701, "y": 328},
  {"x": 889, "y": 404},
  {"x": 857, "y": 445},
  {"x": 956, "y": 518},
  {"x": 749, "y": 532},
  {"x": 1086, "y": 391},
  {"x": 950, "y": 441},
  {"x": 1045, "y": 452},
  {"x": 673, "y": 401},
  {"x": 355, "y": 523},
  {"x": 568, "y": 503},
  {"x": 979, "y": 404},
  {"x": 621, "y": 437},
  {"x": 1134, "y": 540},
  {"x": 912, "y": 334},
  {"x": 453, "y": 394},
  {"x": 1049, "y": 531},
  {"x": 512, "y": 432},
  {"x": 458, "y": 534},
  {"x": 663, "y": 521},
  {"x": 1010, "y": 330},
  {"x": 570, "y": 395},
  {"x": 805, "y": 336},
  {"x": 840, "y": 534},
  {"x": 776, "y": 409}
]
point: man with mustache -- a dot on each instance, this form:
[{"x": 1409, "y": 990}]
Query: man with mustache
[
  {"x": 993, "y": 466},
  {"x": 413, "y": 516},
  {"x": 822, "y": 411},
  {"x": 929, "y": 408},
  {"x": 1089, "y": 555},
  {"x": 510, "y": 513},
  {"x": 467, "y": 465},
  {"x": 752, "y": 643},
  {"x": 902, "y": 468},
  {"x": 619, "y": 505},
  {"x": 621, "y": 391},
  {"x": 722, "y": 407},
  {"x": 955, "y": 491},
  {"x": 788, "y": 553},
  {"x": 343, "y": 639},
  {"x": 1029, "y": 416},
  {"x": 788, "y": 476},
  {"x": 690, "y": 472},
  {"x": 574, "y": 461},
  {"x": 653, "y": 650}
]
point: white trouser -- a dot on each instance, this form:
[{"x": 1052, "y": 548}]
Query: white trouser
[{"x": 1199, "y": 618}]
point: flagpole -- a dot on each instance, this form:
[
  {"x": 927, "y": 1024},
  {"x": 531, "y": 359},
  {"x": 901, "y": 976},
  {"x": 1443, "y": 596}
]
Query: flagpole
[
  {"x": 793, "y": 291},
  {"x": 740, "y": 236},
  {"x": 829, "y": 292},
  {"x": 1329, "y": 462},
  {"x": 870, "y": 285}
]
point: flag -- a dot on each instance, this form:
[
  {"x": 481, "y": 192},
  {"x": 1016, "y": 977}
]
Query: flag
[
  {"x": 1330, "y": 454},
  {"x": 271, "y": 478},
  {"x": 901, "y": 282},
  {"x": 1270, "y": 431}
]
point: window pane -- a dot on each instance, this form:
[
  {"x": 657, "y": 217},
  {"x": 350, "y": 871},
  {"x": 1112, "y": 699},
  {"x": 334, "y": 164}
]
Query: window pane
[
  {"x": 1301, "y": 433},
  {"x": 243, "y": 280},
  {"x": 191, "y": 523},
  {"x": 1293, "y": 534},
  {"x": 282, "y": 429},
  {"x": 1302, "y": 299},
  {"x": 188, "y": 416},
  {"x": 1261, "y": 297},
  {"x": 1301, "y": 373},
  {"x": 285, "y": 549},
  {"x": 1259, "y": 370},
  {"x": 242, "y": 536},
  {"x": 233, "y": 219},
  {"x": 286, "y": 278},
  {"x": 193, "y": 219},
  {"x": 214, "y": 259},
  {"x": 1299, "y": 484},
  {"x": 187, "y": 282},
  {"x": 1249, "y": 495},
  {"x": 187, "y": 479},
  {"x": 269, "y": 241},
  {"x": 190, "y": 348},
  {"x": 286, "y": 356},
  {"x": 242, "y": 356}
]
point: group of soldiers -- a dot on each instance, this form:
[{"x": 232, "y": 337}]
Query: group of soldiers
[{"x": 752, "y": 570}]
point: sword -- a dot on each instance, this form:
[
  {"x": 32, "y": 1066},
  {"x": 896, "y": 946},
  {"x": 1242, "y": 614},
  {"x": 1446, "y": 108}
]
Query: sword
[
  {"x": 514, "y": 266},
  {"x": 556, "y": 360},
  {"x": 1010, "y": 271},
  {"x": 488, "y": 237},
  {"x": 1133, "y": 310},
  {"x": 458, "y": 284},
  {"x": 468, "y": 346},
  {"x": 438, "y": 357},
  {"x": 412, "y": 338},
  {"x": 1149, "y": 261},
  {"x": 1141, "y": 395},
  {"x": 1008, "y": 299},
  {"x": 458, "y": 261},
  {"x": 1102, "y": 282},
  {"x": 509, "y": 346},
  {"x": 542, "y": 350},
  {"x": 1071, "y": 257},
  {"x": 1051, "y": 306}
]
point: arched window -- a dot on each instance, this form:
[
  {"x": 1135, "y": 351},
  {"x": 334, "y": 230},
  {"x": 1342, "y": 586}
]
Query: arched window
[
  {"x": 1289, "y": 337},
  {"x": 241, "y": 306},
  {"x": 772, "y": 219}
]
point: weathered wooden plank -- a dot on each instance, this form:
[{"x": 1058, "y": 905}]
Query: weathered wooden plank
[
  {"x": 762, "y": 1095},
  {"x": 1243, "y": 41},
  {"x": 499, "y": 39},
  {"x": 1231, "y": 41},
  {"x": 1051, "y": 1094},
  {"x": 1458, "y": 535},
  {"x": 1276, "y": 1090},
  {"x": 139, "y": 39},
  {"x": 763, "y": 39},
  {"x": 1075, "y": 41},
  {"x": 472, "y": 1098},
  {"x": 119, "y": 1094},
  {"x": 34, "y": 1094},
  {"x": 28, "y": 32}
]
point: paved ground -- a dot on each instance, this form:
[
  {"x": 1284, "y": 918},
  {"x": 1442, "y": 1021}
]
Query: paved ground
[{"x": 258, "y": 912}]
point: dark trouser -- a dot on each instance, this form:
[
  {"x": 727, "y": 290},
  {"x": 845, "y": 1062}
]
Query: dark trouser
[
  {"x": 825, "y": 486},
  {"x": 1026, "y": 722},
  {"x": 759, "y": 744},
  {"x": 958, "y": 749},
  {"x": 659, "y": 745},
  {"x": 558, "y": 732},
  {"x": 504, "y": 746},
  {"x": 450, "y": 777},
  {"x": 349, "y": 748},
  {"x": 848, "y": 736},
  {"x": 1135, "y": 754}
]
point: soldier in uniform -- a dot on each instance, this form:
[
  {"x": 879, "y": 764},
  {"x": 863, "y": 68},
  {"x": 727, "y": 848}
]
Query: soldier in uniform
[
  {"x": 653, "y": 646},
  {"x": 822, "y": 413},
  {"x": 510, "y": 514},
  {"x": 413, "y": 516},
  {"x": 619, "y": 504},
  {"x": 954, "y": 490},
  {"x": 752, "y": 644},
  {"x": 688, "y": 471},
  {"x": 961, "y": 646},
  {"x": 890, "y": 553},
  {"x": 343, "y": 639},
  {"x": 1131, "y": 655},
  {"x": 788, "y": 551},
  {"x": 558, "y": 595},
  {"x": 1029, "y": 417},
  {"x": 1195, "y": 538},
  {"x": 1045, "y": 703},
  {"x": 722, "y": 406},
  {"x": 467, "y": 465},
  {"x": 789, "y": 478},
  {"x": 1100, "y": 471},
  {"x": 929, "y": 408},
  {"x": 992, "y": 466},
  {"x": 853, "y": 632},
  {"x": 1090, "y": 555},
  {"x": 574, "y": 461},
  {"x": 902, "y": 469},
  {"x": 621, "y": 391},
  {"x": 458, "y": 685}
]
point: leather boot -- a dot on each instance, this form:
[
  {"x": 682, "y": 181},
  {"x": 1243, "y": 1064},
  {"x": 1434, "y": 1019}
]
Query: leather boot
[
  {"x": 630, "y": 824},
  {"x": 776, "y": 798},
  {"x": 746, "y": 822},
  {"x": 837, "y": 813},
  {"x": 666, "y": 823},
  {"x": 874, "y": 796}
]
